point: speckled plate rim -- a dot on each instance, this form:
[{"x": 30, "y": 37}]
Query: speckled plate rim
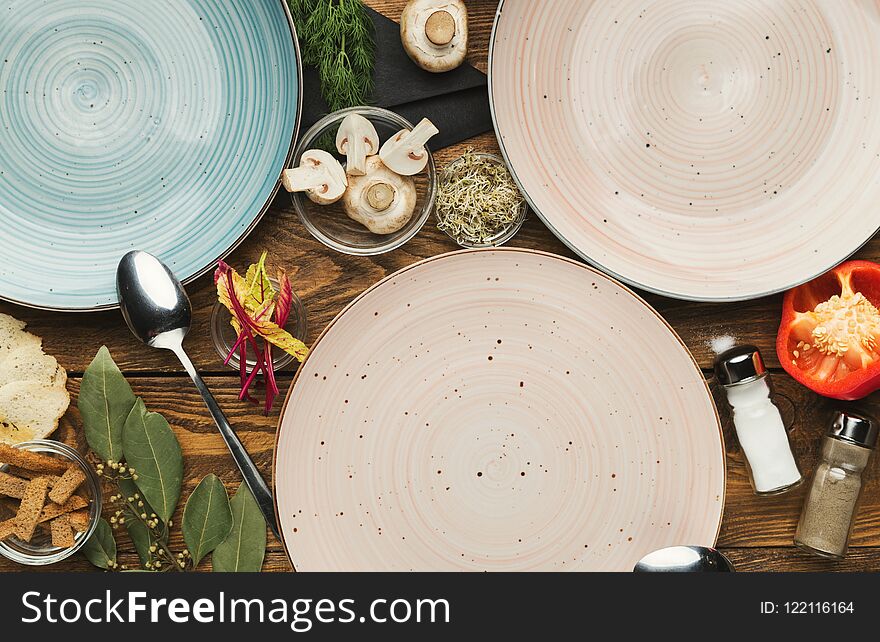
[
  {"x": 592, "y": 261},
  {"x": 511, "y": 250},
  {"x": 287, "y": 161}
]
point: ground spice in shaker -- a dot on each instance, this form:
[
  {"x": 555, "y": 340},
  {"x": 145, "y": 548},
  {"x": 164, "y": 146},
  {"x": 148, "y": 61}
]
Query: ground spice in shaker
[
  {"x": 759, "y": 426},
  {"x": 830, "y": 508}
]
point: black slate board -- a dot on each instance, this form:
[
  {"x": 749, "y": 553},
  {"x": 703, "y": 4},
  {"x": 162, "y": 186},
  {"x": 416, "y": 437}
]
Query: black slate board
[{"x": 457, "y": 102}]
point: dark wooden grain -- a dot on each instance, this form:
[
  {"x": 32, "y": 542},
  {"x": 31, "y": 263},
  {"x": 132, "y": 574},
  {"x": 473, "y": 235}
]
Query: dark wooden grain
[{"x": 756, "y": 532}]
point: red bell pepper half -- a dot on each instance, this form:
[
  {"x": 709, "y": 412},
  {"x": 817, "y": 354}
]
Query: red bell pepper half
[{"x": 828, "y": 338}]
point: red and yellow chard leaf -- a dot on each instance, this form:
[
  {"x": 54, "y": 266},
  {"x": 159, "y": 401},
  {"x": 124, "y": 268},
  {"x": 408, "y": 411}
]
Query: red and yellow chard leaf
[
  {"x": 284, "y": 300},
  {"x": 257, "y": 310},
  {"x": 258, "y": 288}
]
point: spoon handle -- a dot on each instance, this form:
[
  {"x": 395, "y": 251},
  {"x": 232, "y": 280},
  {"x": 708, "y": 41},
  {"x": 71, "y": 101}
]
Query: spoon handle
[{"x": 242, "y": 459}]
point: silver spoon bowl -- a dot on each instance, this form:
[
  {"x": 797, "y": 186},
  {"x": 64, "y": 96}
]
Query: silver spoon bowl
[
  {"x": 158, "y": 312},
  {"x": 684, "y": 559}
]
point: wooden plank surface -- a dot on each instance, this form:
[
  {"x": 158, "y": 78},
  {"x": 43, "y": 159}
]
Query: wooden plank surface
[{"x": 756, "y": 532}]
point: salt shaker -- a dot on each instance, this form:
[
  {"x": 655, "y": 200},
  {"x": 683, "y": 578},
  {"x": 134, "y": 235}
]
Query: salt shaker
[
  {"x": 830, "y": 508},
  {"x": 759, "y": 426}
]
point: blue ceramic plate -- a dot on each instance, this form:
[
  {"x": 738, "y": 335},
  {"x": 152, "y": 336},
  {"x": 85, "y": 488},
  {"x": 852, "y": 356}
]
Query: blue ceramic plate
[{"x": 160, "y": 125}]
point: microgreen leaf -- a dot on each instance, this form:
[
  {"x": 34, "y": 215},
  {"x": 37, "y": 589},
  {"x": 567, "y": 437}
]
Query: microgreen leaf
[
  {"x": 105, "y": 401},
  {"x": 259, "y": 289},
  {"x": 207, "y": 518},
  {"x": 255, "y": 319},
  {"x": 284, "y": 300}
]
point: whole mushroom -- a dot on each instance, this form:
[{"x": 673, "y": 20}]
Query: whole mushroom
[
  {"x": 319, "y": 175},
  {"x": 435, "y": 33},
  {"x": 357, "y": 139},
  {"x": 405, "y": 152},
  {"x": 380, "y": 200}
]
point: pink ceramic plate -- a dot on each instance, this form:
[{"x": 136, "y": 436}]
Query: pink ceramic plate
[
  {"x": 496, "y": 410},
  {"x": 702, "y": 149}
]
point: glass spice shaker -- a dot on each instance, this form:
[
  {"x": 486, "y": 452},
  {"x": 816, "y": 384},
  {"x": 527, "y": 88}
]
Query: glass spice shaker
[
  {"x": 830, "y": 508},
  {"x": 759, "y": 426}
]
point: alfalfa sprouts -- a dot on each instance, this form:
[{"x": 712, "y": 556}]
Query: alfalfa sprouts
[{"x": 477, "y": 200}]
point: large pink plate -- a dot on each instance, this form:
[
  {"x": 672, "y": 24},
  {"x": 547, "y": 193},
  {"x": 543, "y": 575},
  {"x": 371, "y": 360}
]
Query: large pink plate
[
  {"x": 496, "y": 410},
  {"x": 710, "y": 150}
]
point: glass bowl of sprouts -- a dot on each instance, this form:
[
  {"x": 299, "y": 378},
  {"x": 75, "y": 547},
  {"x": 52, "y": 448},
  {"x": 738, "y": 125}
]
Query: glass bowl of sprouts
[{"x": 478, "y": 204}]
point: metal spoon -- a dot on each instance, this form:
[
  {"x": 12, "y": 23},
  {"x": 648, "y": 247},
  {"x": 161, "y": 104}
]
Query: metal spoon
[
  {"x": 158, "y": 312},
  {"x": 684, "y": 559}
]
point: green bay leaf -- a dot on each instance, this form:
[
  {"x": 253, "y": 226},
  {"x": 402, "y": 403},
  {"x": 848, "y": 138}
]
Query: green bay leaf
[
  {"x": 136, "y": 529},
  {"x": 140, "y": 537},
  {"x": 245, "y": 547},
  {"x": 100, "y": 548},
  {"x": 207, "y": 518},
  {"x": 105, "y": 401},
  {"x": 151, "y": 448}
]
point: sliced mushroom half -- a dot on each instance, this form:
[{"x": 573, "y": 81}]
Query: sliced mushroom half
[
  {"x": 380, "y": 200},
  {"x": 405, "y": 152},
  {"x": 319, "y": 175},
  {"x": 435, "y": 33},
  {"x": 357, "y": 139}
]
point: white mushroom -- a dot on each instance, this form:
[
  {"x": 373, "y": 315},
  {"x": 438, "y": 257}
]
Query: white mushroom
[
  {"x": 381, "y": 200},
  {"x": 435, "y": 33},
  {"x": 357, "y": 139},
  {"x": 319, "y": 175},
  {"x": 405, "y": 152}
]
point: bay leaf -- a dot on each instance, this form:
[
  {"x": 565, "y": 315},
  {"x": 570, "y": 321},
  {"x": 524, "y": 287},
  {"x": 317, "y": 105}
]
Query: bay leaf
[
  {"x": 136, "y": 529},
  {"x": 105, "y": 401},
  {"x": 207, "y": 518},
  {"x": 140, "y": 537},
  {"x": 245, "y": 547},
  {"x": 128, "y": 488},
  {"x": 100, "y": 548},
  {"x": 151, "y": 448}
]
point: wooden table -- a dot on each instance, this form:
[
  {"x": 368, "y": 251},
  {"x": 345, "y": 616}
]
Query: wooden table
[{"x": 756, "y": 532}]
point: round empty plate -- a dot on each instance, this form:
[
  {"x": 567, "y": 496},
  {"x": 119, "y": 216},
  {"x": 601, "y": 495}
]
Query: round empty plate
[
  {"x": 162, "y": 127},
  {"x": 702, "y": 149},
  {"x": 496, "y": 410}
]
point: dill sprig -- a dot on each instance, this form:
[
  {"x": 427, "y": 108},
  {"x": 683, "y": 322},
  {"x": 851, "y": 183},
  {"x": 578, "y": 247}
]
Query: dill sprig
[{"x": 337, "y": 37}]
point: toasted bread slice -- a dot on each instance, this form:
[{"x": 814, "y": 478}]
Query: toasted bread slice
[
  {"x": 69, "y": 482},
  {"x": 45, "y": 465},
  {"x": 31, "y": 507},
  {"x": 62, "y": 532},
  {"x": 30, "y": 411}
]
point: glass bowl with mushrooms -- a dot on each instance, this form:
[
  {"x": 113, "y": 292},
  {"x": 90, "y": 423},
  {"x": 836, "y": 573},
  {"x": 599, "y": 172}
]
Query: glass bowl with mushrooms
[{"x": 364, "y": 180}]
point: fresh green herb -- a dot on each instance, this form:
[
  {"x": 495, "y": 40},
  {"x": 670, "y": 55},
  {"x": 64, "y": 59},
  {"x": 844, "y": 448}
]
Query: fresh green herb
[
  {"x": 207, "y": 518},
  {"x": 477, "y": 200},
  {"x": 243, "y": 551},
  {"x": 105, "y": 401},
  {"x": 337, "y": 38},
  {"x": 139, "y": 533},
  {"x": 148, "y": 473},
  {"x": 153, "y": 451},
  {"x": 259, "y": 313},
  {"x": 100, "y": 549}
]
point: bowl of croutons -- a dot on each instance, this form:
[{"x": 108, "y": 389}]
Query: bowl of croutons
[{"x": 50, "y": 502}]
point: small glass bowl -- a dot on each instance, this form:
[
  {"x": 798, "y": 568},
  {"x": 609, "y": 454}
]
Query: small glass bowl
[
  {"x": 329, "y": 223},
  {"x": 224, "y": 337},
  {"x": 39, "y": 551},
  {"x": 505, "y": 234}
]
